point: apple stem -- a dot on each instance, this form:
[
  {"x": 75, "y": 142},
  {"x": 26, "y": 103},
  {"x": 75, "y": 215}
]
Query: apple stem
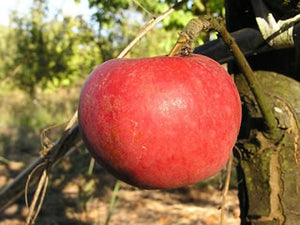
[{"x": 189, "y": 35}]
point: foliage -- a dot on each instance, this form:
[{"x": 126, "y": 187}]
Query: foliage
[
  {"x": 112, "y": 17},
  {"x": 7, "y": 51},
  {"x": 39, "y": 52},
  {"x": 48, "y": 53}
]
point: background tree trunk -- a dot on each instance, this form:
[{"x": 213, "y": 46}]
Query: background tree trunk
[{"x": 268, "y": 170}]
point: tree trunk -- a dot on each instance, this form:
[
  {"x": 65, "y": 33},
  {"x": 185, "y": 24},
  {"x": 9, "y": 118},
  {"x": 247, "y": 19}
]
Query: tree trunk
[{"x": 269, "y": 170}]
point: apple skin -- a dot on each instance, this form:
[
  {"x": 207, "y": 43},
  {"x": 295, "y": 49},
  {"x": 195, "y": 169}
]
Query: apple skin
[{"x": 162, "y": 122}]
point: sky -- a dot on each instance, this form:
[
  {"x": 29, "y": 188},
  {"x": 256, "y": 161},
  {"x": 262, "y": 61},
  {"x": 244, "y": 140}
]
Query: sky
[{"x": 68, "y": 6}]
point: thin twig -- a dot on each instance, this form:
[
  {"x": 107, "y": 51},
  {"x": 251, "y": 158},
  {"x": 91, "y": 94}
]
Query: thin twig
[
  {"x": 42, "y": 197},
  {"x": 71, "y": 124},
  {"x": 225, "y": 190},
  {"x": 46, "y": 143},
  {"x": 72, "y": 121},
  {"x": 43, "y": 164},
  {"x": 91, "y": 166},
  {"x": 142, "y": 7},
  {"x": 149, "y": 26},
  {"x": 41, "y": 185},
  {"x": 113, "y": 200}
]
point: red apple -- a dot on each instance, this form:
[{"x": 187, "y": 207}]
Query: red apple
[{"x": 161, "y": 122}]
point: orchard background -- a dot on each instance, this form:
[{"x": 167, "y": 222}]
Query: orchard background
[{"x": 45, "y": 58}]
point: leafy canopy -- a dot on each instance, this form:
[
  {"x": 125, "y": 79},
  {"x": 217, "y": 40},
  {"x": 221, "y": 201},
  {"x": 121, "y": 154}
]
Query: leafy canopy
[{"x": 46, "y": 53}]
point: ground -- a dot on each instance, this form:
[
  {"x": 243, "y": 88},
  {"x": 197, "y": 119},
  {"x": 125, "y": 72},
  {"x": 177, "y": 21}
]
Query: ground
[{"x": 75, "y": 197}]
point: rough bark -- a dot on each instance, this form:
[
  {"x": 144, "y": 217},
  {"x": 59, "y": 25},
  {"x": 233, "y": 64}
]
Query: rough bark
[{"x": 269, "y": 171}]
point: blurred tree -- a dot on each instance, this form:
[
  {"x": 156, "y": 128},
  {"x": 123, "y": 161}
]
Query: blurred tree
[
  {"x": 48, "y": 52},
  {"x": 7, "y": 52},
  {"x": 114, "y": 26}
]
